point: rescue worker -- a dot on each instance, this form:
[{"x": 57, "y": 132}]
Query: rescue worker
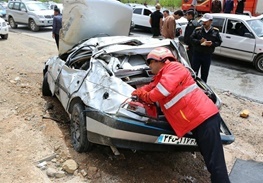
[
  {"x": 190, "y": 27},
  {"x": 204, "y": 40},
  {"x": 186, "y": 107}
]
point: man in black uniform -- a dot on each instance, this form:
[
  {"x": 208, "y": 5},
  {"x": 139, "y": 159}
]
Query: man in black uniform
[
  {"x": 192, "y": 24},
  {"x": 204, "y": 40},
  {"x": 156, "y": 21},
  {"x": 240, "y": 6}
]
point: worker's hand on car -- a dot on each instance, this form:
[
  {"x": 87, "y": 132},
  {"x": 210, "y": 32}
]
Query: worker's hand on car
[
  {"x": 137, "y": 92},
  {"x": 143, "y": 95}
]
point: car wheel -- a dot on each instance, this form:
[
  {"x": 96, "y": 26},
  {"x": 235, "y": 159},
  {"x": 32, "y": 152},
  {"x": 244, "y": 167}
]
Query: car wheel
[
  {"x": 4, "y": 36},
  {"x": 78, "y": 129},
  {"x": 45, "y": 87},
  {"x": 33, "y": 26},
  {"x": 259, "y": 63},
  {"x": 12, "y": 23}
]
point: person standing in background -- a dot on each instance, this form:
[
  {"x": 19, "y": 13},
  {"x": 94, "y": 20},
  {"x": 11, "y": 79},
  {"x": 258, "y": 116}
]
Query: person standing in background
[
  {"x": 216, "y": 6},
  {"x": 57, "y": 24},
  {"x": 166, "y": 13},
  {"x": 156, "y": 21},
  {"x": 190, "y": 27},
  {"x": 228, "y": 6},
  {"x": 240, "y": 6},
  {"x": 169, "y": 25},
  {"x": 204, "y": 40}
]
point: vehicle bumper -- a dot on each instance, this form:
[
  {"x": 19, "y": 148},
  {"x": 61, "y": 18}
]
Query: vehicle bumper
[
  {"x": 3, "y": 30},
  {"x": 122, "y": 132},
  {"x": 45, "y": 22}
]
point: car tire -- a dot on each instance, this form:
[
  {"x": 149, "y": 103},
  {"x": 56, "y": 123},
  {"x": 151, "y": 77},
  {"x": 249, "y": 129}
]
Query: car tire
[
  {"x": 4, "y": 36},
  {"x": 259, "y": 63},
  {"x": 33, "y": 26},
  {"x": 12, "y": 23},
  {"x": 45, "y": 87},
  {"x": 78, "y": 129}
]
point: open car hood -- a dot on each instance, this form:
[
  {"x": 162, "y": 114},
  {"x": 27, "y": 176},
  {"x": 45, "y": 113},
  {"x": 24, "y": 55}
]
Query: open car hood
[{"x": 84, "y": 19}]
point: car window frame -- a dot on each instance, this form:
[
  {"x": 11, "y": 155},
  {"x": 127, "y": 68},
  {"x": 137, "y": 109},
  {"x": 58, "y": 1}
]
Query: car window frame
[
  {"x": 147, "y": 12},
  {"x": 137, "y": 13},
  {"x": 11, "y": 5},
  {"x": 244, "y": 24},
  {"x": 222, "y": 28}
]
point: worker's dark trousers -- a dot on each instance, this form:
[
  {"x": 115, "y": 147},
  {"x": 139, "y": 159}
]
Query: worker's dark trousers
[
  {"x": 202, "y": 60},
  {"x": 209, "y": 142}
]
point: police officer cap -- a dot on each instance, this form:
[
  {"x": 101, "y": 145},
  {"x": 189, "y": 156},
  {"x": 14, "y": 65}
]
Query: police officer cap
[{"x": 206, "y": 17}]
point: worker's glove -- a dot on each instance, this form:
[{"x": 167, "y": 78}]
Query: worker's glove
[
  {"x": 137, "y": 92},
  {"x": 143, "y": 95}
]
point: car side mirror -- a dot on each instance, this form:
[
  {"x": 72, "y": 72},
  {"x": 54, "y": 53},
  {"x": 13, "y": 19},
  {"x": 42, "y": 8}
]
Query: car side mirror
[{"x": 249, "y": 35}]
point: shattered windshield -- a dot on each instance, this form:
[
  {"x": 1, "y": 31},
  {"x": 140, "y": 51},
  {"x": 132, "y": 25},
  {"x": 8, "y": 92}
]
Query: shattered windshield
[{"x": 257, "y": 26}]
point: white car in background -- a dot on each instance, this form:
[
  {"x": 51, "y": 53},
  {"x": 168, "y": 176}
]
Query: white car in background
[
  {"x": 34, "y": 14},
  {"x": 242, "y": 38},
  {"x": 141, "y": 16},
  {"x": 3, "y": 29}
]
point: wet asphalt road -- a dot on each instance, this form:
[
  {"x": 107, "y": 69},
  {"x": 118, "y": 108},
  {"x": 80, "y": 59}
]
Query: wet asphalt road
[{"x": 237, "y": 77}]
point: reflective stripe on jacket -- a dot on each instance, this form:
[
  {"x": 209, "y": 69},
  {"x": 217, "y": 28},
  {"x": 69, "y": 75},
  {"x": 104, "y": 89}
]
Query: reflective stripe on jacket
[{"x": 183, "y": 103}]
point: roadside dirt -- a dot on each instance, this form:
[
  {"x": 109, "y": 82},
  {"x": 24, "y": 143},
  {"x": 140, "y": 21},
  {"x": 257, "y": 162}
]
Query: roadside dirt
[{"x": 33, "y": 128}]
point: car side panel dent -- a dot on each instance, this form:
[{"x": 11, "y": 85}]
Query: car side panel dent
[{"x": 101, "y": 91}]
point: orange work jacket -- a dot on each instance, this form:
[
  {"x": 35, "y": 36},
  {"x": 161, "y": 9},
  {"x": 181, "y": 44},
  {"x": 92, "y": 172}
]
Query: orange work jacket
[{"x": 183, "y": 103}]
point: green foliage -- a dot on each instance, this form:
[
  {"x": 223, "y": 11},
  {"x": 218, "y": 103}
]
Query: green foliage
[
  {"x": 171, "y": 3},
  {"x": 164, "y": 3}
]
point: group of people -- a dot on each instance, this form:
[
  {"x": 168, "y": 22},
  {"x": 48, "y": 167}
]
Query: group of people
[
  {"x": 163, "y": 24},
  {"x": 228, "y": 6},
  {"x": 201, "y": 40}
]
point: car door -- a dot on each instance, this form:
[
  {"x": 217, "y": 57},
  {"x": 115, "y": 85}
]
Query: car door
[
  {"x": 146, "y": 17},
  {"x": 236, "y": 43},
  {"x": 136, "y": 16},
  {"x": 16, "y": 12},
  {"x": 141, "y": 17},
  {"x": 218, "y": 23},
  {"x": 23, "y": 13}
]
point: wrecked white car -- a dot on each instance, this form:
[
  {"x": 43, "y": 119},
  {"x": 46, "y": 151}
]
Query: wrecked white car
[{"x": 94, "y": 82}]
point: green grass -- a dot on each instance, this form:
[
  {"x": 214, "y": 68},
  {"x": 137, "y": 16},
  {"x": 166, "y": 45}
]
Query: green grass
[{"x": 170, "y": 4}]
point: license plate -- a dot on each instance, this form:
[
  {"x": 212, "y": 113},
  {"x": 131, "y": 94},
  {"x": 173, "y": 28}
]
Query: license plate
[{"x": 174, "y": 140}]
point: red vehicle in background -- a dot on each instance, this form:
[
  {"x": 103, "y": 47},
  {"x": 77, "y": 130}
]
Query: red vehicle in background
[{"x": 252, "y": 7}]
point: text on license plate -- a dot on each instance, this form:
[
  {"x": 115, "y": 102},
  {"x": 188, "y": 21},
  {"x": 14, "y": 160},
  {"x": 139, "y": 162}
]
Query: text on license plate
[{"x": 172, "y": 139}]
